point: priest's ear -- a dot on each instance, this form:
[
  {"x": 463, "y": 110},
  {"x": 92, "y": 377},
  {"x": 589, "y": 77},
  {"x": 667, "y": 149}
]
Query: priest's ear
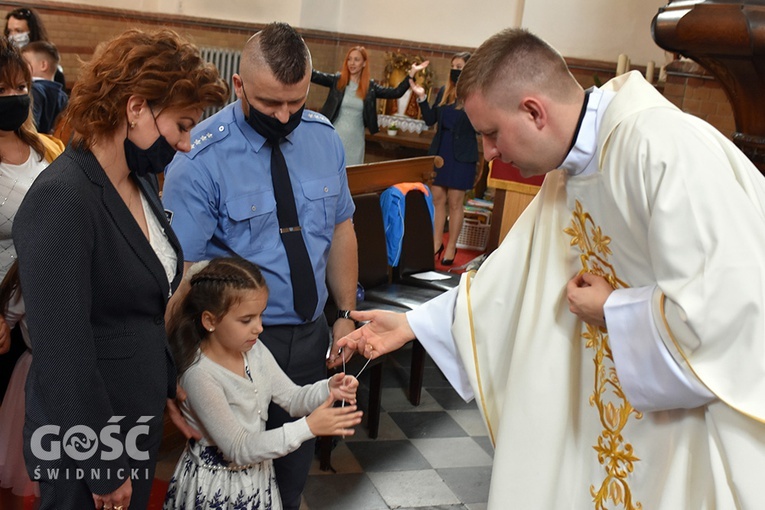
[{"x": 535, "y": 110}]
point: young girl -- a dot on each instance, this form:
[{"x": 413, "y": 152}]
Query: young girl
[{"x": 230, "y": 378}]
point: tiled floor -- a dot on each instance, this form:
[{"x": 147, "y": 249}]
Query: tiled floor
[{"x": 434, "y": 456}]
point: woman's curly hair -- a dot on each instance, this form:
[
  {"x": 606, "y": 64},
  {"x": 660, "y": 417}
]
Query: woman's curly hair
[{"x": 161, "y": 67}]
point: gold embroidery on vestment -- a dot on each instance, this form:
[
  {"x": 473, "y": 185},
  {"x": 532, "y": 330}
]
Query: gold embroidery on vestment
[
  {"x": 479, "y": 379},
  {"x": 614, "y": 453}
]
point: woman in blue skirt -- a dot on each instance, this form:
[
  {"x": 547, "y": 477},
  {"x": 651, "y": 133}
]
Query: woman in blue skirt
[{"x": 455, "y": 141}]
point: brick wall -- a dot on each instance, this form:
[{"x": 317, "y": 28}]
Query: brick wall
[
  {"x": 77, "y": 29},
  {"x": 692, "y": 89}
]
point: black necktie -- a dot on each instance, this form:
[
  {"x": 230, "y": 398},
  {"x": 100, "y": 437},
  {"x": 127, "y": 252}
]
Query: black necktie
[{"x": 301, "y": 271}]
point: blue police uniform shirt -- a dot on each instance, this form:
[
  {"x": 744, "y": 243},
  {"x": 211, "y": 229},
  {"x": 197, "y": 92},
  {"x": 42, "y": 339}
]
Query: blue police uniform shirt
[{"x": 220, "y": 199}]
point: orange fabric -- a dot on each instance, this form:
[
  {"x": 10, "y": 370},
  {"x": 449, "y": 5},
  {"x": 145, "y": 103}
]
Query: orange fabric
[{"x": 406, "y": 187}]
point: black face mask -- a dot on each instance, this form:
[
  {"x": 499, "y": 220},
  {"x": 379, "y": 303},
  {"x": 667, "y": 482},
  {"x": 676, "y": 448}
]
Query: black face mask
[
  {"x": 454, "y": 75},
  {"x": 269, "y": 127},
  {"x": 149, "y": 161},
  {"x": 14, "y": 111}
]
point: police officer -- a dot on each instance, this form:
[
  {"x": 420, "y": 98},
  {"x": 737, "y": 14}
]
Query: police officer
[{"x": 225, "y": 197}]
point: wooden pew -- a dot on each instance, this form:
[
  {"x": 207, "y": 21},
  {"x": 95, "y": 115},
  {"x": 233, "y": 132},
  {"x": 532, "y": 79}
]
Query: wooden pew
[{"x": 375, "y": 177}]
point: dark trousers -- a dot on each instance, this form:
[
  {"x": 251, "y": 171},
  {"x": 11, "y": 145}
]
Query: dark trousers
[{"x": 301, "y": 352}]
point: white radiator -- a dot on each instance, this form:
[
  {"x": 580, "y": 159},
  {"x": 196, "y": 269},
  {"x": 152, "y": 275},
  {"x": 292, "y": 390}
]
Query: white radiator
[{"x": 227, "y": 62}]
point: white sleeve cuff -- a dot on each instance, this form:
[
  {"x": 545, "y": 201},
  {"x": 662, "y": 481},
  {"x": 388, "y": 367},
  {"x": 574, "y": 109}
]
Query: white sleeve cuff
[
  {"x": 651, "y": 379},
  {"x": 431, "y": 323}
]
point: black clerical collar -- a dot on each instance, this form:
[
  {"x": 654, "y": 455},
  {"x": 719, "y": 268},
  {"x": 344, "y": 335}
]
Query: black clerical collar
[{"x": 579, "y": 121}]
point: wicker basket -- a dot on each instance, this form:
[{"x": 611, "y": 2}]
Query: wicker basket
[{"x": 474, "y": 234}]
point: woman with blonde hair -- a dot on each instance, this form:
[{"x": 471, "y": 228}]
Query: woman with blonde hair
[
  {"x": 98, "y": 261},
  {"x": 352, "y": 100}
]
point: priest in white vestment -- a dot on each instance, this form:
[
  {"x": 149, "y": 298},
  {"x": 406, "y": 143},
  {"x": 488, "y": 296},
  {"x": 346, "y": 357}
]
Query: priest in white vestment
[{"x": 615, "y": 341}]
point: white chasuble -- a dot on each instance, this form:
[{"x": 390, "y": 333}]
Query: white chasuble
[{"x": 691, "y": 223}]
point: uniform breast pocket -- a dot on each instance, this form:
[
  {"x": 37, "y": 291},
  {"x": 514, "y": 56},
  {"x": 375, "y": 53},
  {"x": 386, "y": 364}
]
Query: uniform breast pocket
[
  {"x": 251, "y": 224},
  {"x": 321, "y": 203}
]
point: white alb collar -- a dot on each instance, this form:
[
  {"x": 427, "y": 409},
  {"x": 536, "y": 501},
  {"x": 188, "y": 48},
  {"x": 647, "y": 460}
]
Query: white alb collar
[{"x": 581, "y": 159}]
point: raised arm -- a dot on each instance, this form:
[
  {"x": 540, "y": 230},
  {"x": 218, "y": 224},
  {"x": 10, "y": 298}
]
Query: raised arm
[
  {"x": 429, "y": 113},
  {"x": 323, "y": 79},
  {"x": 396, "y": 92}
]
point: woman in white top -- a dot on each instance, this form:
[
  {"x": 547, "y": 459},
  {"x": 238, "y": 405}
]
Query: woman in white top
[
  {"x": 230, "y": 379},
  {"x": 24, "y": 153}
]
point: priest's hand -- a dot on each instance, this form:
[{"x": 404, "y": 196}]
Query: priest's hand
[
  {"x": 383, "y": 332},
  {"x": 587, "y": 295}
]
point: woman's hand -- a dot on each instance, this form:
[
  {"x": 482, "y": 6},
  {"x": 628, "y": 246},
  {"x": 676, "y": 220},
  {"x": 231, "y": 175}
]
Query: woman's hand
[
  {"x": 417, "y": 90},
  {"x": 177, "y": 418},
  {"x": 117, "y": 500},
  {"x": 416, "y": 68}
]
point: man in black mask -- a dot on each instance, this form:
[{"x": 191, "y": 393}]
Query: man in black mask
[{"x": 265, "y": 180}]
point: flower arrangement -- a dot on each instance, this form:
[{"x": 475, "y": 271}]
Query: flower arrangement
[{"x": 392, "y": 129}]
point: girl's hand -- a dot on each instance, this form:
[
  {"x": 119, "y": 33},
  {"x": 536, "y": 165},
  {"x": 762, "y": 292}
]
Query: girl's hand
[
  {"x": 326, "y": 420},
  {"x": 343, "y": 387}
]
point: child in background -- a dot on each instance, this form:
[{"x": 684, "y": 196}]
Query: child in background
[
  {"x": 49, "y": 96},
  {"x": 14, "y": 480},
  {"x": 230, "y": 378}
]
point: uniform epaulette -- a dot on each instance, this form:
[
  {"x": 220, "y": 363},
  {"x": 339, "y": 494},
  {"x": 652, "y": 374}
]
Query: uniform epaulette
[
  {"x": 213, "y": 132},
  {"x": 312, "y": 116}
]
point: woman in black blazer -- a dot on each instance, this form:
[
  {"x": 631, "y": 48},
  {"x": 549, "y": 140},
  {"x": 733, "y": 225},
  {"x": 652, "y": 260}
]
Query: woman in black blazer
[
  {"x": 352, "y": 101},
  {"x": 455, "y": 141},
  {"x": 98, "y": 262}
]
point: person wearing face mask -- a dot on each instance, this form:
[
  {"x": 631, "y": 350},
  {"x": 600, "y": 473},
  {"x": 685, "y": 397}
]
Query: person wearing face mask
[
  {"x": 352, "y": 100},
  {"x": 455, "y": 141},
  {"x": 24, "y": 153},
  {"x": 265, "y": 180},
  {"x": 23, "y": 26},
  {"x": 98, "y": 262}
]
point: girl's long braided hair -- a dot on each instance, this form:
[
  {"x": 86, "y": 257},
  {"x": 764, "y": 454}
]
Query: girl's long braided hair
[{"x": 215, "y": 288}]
